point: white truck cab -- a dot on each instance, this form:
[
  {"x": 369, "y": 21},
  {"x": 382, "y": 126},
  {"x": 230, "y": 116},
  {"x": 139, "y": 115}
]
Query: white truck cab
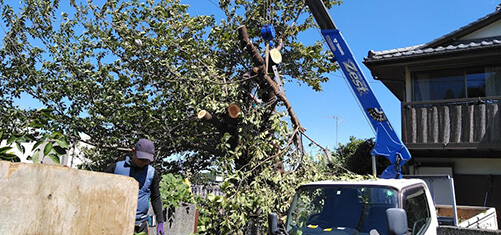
[{"x": 382, "y": 206}]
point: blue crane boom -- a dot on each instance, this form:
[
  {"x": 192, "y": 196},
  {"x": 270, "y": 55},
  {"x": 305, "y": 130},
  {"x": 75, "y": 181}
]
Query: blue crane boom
[{"x": 387, "y": 144}]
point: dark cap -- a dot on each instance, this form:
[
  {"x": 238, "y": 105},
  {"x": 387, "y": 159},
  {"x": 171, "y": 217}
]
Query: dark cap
[{"x": 145, "y": 149}]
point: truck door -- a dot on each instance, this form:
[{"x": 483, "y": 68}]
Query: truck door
[{"x": 416, "y": 205}]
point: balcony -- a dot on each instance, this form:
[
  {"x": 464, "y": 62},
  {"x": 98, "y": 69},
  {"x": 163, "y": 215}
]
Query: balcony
[{"x": 458, "y": 124}]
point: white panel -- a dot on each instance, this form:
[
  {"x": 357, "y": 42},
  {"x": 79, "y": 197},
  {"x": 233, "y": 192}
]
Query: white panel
[
  {"x": 480, "y": 166},
  {"x": 491, "y": 30},
  {"x": 472, "y": 166},
  {"x": 434, "y": 171}
]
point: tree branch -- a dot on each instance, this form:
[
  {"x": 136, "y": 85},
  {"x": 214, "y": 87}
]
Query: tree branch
[
  {"x": 227, "y": 124},
  {"x": 259, "y": 62}
]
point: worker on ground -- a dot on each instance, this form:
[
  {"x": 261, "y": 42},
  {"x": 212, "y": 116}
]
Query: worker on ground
[{"x": 148, "y": 178}]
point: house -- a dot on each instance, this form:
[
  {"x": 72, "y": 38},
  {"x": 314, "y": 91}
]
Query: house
[
  {"x": 450, "y": 93},
  {"x": 72, "y": 158}
]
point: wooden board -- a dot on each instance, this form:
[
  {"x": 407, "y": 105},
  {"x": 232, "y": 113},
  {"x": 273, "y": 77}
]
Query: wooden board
[{"x": 53, "y": 199}]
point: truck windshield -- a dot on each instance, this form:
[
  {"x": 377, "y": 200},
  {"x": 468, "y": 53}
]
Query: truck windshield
[{"x": 332, "y": 209}]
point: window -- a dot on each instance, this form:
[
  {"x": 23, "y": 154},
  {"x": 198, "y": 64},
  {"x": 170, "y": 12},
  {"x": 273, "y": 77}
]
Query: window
[
  {"x": 457, "y": 83},
  {"x": 418, "y": 214},
  {"x": 475, "y": 80},
  {"x": 492, "y": 77},
  {"x": 340, "y": 209}
]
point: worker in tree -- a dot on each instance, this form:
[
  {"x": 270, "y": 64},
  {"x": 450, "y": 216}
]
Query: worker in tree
[{"x": 148, "y": 178}]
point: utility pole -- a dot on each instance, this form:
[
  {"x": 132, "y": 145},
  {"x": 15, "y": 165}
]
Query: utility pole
[{"x": 338, "y": 120}]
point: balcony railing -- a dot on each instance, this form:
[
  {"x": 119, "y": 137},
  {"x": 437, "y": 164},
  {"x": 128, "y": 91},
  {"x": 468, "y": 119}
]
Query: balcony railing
[{"x": 458, "y": 122}]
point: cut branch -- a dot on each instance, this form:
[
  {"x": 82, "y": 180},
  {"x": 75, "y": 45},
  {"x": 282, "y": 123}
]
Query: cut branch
[
  {"x": 233, "y": 110},
  {"x": 284, "y": 99},
  {"x": 247, "y": 45},
  {"x": 226, "y": 124},
  {"x": 207, "y": 117}
]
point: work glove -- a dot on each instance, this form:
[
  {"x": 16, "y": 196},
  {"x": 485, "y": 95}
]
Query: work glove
[{"x": 160, "y": 228}]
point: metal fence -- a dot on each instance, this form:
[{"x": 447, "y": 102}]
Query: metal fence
[{"x": 204, "y": 190}]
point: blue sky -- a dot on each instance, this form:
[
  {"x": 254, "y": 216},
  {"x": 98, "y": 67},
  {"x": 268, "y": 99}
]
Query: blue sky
[{"x": 368, "y": 25}]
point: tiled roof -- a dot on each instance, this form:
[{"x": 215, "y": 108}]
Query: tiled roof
[
  {"x": 445, "y": 44},
  {"x": 422, "y": 50}
]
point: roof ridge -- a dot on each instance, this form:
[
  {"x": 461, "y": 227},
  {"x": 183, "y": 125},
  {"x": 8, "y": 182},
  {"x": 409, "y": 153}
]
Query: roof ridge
[
  {"x": 421, "y": 50},
  {"x": 390, "y": 51}
]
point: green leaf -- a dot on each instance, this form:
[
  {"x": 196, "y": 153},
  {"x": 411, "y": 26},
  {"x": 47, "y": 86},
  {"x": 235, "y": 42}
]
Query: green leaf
[
  {"x": 5, "y": 149},
  {"x": 54, "y": 158},
  {"x": 38, "y": 143},
  {"x": 36, "y": 125},
  {"x": 36, "y": 155},
  {"x": 11, "y": 139},
  {"x": 55, "y": 135},
  {"x": 47, "y": 149},
  {"x": 59, "y": 150},
  {"x": 211, "y": 197},
  {"x": 20, "y": 147},
  {"x": 61, "y": 143},
  {"x": 47, "y": 112},
  {"x": 8, "y": 157}
]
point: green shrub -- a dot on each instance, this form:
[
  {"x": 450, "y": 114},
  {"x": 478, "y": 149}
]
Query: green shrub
[{"x": 174, "y": 191}]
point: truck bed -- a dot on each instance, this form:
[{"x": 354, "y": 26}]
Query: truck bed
[{"x": 469, "y": 216}]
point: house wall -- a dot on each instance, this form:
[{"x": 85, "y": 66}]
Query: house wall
[
  {"x": 408, "y": 85},
  {"x": 462, "y": 166},
  {"x": 491, "y": 30}
]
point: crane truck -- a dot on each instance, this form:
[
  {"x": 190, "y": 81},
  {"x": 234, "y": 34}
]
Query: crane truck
[
  {"x": 390, "y": 205},
  {"x": 387, "y": 143}
]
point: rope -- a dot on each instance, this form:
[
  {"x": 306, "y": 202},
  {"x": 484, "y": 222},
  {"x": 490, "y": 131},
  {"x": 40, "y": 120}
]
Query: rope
[{"x": 267, "y": 12}]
